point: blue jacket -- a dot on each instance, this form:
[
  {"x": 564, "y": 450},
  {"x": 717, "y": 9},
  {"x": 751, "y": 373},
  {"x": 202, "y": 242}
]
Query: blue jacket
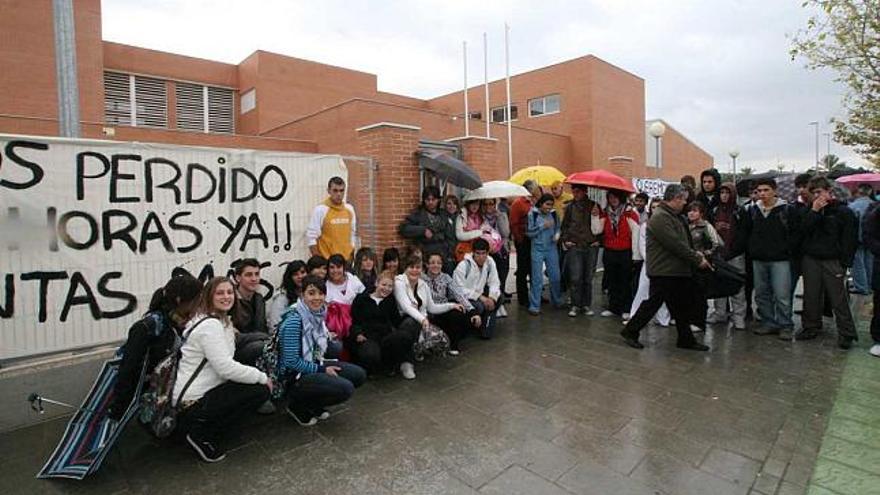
[
  {"x": 543, "y": 238},
  {"x": 859, "y": 206}
]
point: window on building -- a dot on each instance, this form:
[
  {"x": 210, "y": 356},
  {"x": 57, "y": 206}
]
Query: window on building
[
  {"x": 204, "y": 108},
  {"x": 500, "y": 114},
  {"x": 135, "y": 100},
  {"x": 476, "y": 115},
  {"x": 544, "y": 105}
]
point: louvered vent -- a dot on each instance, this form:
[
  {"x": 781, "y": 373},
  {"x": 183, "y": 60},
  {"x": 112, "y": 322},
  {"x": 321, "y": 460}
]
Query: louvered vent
[
  {"x": 117, "y": 98},
  {"x": 220, "y": 110},
  {"x": 151, "y": 98},
  {"x": 190, "y": 107}
]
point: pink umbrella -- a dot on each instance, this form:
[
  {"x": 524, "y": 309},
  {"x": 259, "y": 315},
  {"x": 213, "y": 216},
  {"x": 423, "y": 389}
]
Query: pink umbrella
[{"x": 852, "y": 181}]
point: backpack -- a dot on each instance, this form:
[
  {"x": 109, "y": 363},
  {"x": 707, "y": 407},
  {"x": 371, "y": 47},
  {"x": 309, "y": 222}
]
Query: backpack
[
  {"x": 158, "y": 409},
  {"x": 268, "y": 361}
]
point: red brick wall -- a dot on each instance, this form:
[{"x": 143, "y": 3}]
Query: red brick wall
[
  {"x": 481, "y": 154},
  {"x": 397, "y": 177},
  {"x": 681, "y": 157}
]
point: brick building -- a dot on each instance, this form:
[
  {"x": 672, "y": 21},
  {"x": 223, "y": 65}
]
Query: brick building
[{"x": 575, "y": 115}]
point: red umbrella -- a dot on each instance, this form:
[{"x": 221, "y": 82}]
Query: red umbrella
[{"x": 602, "y": 179}]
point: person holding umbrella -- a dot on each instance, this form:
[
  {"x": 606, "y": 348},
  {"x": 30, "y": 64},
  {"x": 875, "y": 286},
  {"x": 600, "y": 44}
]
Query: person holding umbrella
[
  {"x": 518, "y": 216},
  {"x": 620, "y": 227},
  {"x": 429, "y": 227},
  {"x": 578, "y": 235}
]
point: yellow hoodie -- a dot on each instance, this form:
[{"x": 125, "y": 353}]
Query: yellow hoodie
[{"x": 332, "y": 229}]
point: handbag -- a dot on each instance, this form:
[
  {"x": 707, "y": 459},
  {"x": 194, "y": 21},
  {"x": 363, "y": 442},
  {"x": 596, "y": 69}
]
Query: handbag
[
  {"x": 338, "y": 319},
  {"x": 432, "y": 341}
]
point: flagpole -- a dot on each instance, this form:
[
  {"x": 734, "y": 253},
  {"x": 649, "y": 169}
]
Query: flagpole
[
  {"x": 507, "y": 84},
  {"x": 467, "y": 117},
  {"x": 486, "y": 82}
]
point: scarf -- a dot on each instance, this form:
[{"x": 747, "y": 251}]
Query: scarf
[
  {"x": 614, "y": 215},
  {"x": 314, "y": 333},
  {"x": 474, "y": 221}
]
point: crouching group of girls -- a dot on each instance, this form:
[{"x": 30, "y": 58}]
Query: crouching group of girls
[{"x": 301, "y": 363}]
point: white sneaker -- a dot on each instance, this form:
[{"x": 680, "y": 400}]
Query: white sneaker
[
  {"x": 573, "y": 311},
  {"x": 695, "y": 328},
  {"x": 406, "y": 369},
  {"x": 875, "y": 350},
  {"x": 588, "y": 311},
  {"x": 453, "y": 352},
  {"x": 502, "y": 312},
  {"x": 606, "y": 313}
]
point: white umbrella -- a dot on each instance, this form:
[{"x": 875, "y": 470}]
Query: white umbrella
[{"x": 497, "y": 189}]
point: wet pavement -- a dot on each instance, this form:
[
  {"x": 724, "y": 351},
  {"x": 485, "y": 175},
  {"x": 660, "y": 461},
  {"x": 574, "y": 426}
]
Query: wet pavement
[{"x": 553, "y": 405}]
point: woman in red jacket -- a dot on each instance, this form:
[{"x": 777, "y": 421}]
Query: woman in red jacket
[{"x": 620, "y": 227}]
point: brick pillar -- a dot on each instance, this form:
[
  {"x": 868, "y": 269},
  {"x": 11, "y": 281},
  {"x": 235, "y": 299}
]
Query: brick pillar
[
  {"x": 481, "y": 153},
  {"x": 393, "y": 146},
  {"x": 622, "y": 166}
]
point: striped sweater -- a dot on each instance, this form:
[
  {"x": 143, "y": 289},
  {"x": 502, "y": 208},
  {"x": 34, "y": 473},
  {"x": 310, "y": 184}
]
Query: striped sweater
[{"x": 290, "y": 358}]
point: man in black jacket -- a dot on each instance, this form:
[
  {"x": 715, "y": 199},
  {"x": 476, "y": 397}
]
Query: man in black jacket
[
  {"x": 768, "y": 232},
  {"x": 582, "y": 246},
  {"x": 710, "y": 182},
  {"x": 249, "y": 312},
  {"x": 429, "y": 227},
  {"x": 828, "y": 246}
]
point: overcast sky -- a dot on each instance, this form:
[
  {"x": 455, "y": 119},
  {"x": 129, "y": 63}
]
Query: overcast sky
[{"x": 718, "y": 71}]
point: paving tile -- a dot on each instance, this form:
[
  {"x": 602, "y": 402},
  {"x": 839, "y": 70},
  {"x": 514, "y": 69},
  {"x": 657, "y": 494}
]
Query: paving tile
[
  {"x": 519, "y": 481},
  {"x": 855, "y": 431},
  {"x": 851, "y": 454},
  {"x": 766, "y": 483},
  {"x": 844, "y": 479},
  {"x": 619, "y": 456},
  {"x": 674, "y": 476},
  {"x": 590, "y": 478},
  {"x": 651, "y": 437},
  {"x": 732, "y": 467}
]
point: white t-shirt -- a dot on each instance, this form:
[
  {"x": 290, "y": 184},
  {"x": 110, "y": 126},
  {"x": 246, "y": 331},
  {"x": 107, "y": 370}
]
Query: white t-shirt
[{"x": 345, "y": 292}]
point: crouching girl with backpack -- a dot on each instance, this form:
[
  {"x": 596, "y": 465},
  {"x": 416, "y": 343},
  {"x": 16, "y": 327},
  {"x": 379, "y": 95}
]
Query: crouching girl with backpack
[
  {"x": 297, "y": 360},
  {"x": 213, "y": 390}
]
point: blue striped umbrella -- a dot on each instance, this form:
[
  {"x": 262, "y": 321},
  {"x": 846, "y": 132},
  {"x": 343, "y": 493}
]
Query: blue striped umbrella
[{"x": 90, "y": 434}]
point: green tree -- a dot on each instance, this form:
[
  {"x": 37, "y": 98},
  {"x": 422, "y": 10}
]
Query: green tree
[
  {"x": 832, "y": 162},
  {"x": 745, "y": 171},
  {"x": 844, "y": 36}
]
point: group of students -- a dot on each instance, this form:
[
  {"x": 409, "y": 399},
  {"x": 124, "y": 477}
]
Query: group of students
[
  {"x": 312, "y": 344},
  {"x": 817, "y": 236}
]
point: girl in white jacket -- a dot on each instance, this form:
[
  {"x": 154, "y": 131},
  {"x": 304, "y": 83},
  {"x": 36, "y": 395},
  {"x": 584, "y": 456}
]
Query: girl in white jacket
[
  {"x": 213, "y": 389},
  {"x": 414, "y": 300}
]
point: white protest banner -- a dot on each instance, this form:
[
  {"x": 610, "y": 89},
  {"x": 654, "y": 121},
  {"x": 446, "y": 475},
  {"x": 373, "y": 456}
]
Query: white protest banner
[
  {"x": 91, "y": 228},
  {"x": 652, "y": 187}
]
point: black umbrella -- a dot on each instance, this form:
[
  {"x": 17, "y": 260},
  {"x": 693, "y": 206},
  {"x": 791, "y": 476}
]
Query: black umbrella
[
  {"x": 449, "y": 168},
  {"x": 744, "y": 184}
]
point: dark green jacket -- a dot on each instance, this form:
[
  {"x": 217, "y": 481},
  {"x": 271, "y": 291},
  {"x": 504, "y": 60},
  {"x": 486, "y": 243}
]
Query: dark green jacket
[{"x": 669, "y": 249}]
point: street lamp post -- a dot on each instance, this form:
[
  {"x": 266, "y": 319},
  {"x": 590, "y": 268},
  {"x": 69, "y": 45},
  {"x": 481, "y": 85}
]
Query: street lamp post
[
  {"x": 657, "y": 129},
  {"x": 733, "y": 154},
  {"x": 816, "y": 124}
]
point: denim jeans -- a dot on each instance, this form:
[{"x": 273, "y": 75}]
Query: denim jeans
[
  {"x": 863, "y": 270},
  {"x": 580, "y": 267},
  {"x": 318, "y": 390},
  {"x": 773, "y": 292},
  {"x": 488, "y": 319},
  {"x": 540, "y": 257}
]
